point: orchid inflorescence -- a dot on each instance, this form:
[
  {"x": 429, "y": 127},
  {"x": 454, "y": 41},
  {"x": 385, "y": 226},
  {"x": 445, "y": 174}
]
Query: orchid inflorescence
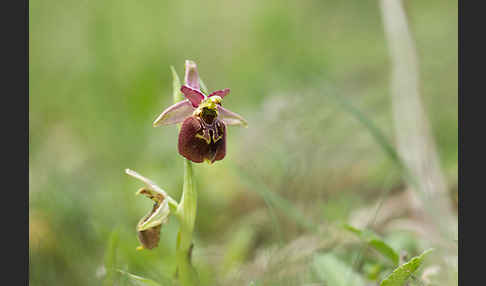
[{"x": 202, "y": 136}]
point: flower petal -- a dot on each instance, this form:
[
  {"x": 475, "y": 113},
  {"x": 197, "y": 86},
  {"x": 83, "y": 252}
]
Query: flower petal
[
  {"x": 194, "y": 95},
  {"x": 148, "y": 183},
  {"x": 151, "y": 190},
  {"x": 149, "y": 238},
  {"x": 148, "y": 228},
  {"x": 192, "y": 77},
  {"x": 230, "y": 118},
  {"x": 222, "y": 93},
  {"x": 175, "y": 113},
  {"x": 159, "y": 215}
]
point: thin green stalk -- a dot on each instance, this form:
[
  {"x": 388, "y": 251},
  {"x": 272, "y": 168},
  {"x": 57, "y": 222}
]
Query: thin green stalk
[
  {"x": 187, "y": 208},
  {"x": 186, "y": 211},
  {"x": 187, "y": 216}
]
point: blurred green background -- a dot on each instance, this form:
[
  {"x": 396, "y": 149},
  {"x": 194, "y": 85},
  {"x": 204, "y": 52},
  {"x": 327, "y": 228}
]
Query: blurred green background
[{"x": 99, "y": 75}]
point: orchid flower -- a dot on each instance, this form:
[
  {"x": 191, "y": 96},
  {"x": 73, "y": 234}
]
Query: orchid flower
[{"x": 202, "y": 136}]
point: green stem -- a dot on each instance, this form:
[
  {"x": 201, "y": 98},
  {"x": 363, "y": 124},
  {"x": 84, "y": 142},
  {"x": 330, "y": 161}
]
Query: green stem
[
  {"x": 187, "y": 207},
  {"x": 186, "y": 212},
  {"x": 187, "y": 275}
]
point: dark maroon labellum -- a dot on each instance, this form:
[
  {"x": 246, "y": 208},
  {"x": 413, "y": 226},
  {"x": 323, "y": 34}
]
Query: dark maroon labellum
[
  {"x": 200, "y": 140},
  {"x": 149, "y": 238}
]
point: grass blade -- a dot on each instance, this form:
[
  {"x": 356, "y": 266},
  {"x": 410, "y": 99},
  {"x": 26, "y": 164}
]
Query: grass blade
[
  {"x": 376, "y": 242},
  {"x": 401, "y": 274},
  {"x": 110, "y": 259},
  {"x": 139, "y": 279}
]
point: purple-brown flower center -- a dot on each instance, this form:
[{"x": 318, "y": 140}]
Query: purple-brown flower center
[{"x": 203, "y": 137}]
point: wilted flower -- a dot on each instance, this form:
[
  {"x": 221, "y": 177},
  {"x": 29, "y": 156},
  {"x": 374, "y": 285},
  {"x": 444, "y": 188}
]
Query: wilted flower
[
  {"x": 149, "y": 226},
  {"x": 202, "y": 136}
]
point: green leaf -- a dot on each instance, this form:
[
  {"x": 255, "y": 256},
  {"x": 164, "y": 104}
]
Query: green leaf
[
  {"x": 376, "y": 242},
  {"x": 203, "y": 86},
  {"x": 139, "y": 280},
  {"x": 352, "y": 229},
  {"x": 401, "y": 274},
  {"x": 176, "y": 86},
  {"x": 384, "y": 249},
  {"x": 110, "y": 259},
  {"x": 333, "y": 271}
]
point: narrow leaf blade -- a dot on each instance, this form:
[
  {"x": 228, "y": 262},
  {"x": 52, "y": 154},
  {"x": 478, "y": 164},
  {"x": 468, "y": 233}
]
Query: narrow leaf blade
[
  {"x": 110, "y": 258},
  {"x": 402, "y": 273},
  {"x": 376, "y": 242},
  {"x": 204, "y": 89},
  {"x": 139, "y": 279},
  {"x": 176, "y": 86}
]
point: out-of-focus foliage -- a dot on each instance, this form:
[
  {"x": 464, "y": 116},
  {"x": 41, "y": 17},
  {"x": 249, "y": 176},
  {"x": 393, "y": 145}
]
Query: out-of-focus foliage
[
  {"x": 99, "y": 75},
  {"x": 332, "y": 271},
  {"x": 377, "y": 243}
]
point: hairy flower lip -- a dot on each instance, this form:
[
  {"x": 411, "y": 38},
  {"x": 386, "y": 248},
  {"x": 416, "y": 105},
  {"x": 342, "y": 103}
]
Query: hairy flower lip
[
  {"x": 149, "y": 238},
  {"x": 199, "y": 141}
]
